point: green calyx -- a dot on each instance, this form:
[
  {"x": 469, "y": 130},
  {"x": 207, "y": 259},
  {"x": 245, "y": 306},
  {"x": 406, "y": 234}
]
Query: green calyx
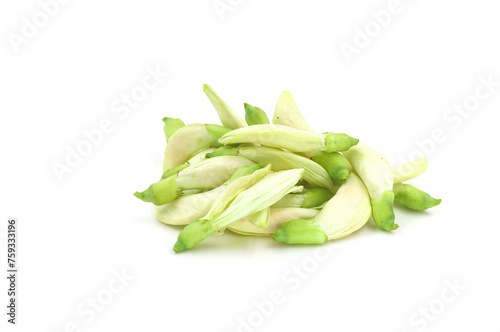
[
  {"x": 174, "y": 170},
  {"x": 337, "y": 166},
  {"x": 171, "y": 126},
  {"x": 315, "y": 197},
  {"x": 223, "y": 151},
  {"x": 339, "y": 142},
  {"x": 254, "y": 115},
  {"x": 161, "y": 192},
  {"x": 192, "y": 235},
  {"x": 216, "y": 132},
  {"x": 300, "y": 231},
  {"x": 414, "y": 198},
  {"x": 243, "y": 171},
  {"x": 383, "y": 211}
]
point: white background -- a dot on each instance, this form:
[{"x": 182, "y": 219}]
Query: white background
[{"x": 393, "y": 94}]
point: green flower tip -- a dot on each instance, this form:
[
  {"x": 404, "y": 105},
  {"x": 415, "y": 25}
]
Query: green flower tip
[
  {"x": 255, "y": 115},
  {"x": 316, "y": 197},
  {"x": 216, "y": 132},
  {"x": 300, "y": 231},
  {"x": 383, "y": 211},
  {"x": 414, "y": 198},
  {"x": 171, "y": 126},
  {"x": 147, "y": 195},
  {"x": 140, "y": 195},
  {"x": 341, "y": 176},
  {"x": 161, "y": 192},
  {"x": 430, "y": 202},
  {"x": 192, "y": 235},
  {"x": 339, "y": 142},
  {"x": 336, "y": 164}
]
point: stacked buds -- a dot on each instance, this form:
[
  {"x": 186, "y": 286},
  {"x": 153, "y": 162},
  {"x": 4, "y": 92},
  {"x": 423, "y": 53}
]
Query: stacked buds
[{"x": 282, "y": 179}]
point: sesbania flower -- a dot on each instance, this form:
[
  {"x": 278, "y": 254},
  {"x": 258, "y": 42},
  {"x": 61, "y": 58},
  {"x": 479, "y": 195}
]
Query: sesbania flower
[{"x": 270, "y": 189}]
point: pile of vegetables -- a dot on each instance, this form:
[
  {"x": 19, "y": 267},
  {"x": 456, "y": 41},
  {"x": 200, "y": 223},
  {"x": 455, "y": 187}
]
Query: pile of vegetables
[{"x": 282, "y": 179}]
